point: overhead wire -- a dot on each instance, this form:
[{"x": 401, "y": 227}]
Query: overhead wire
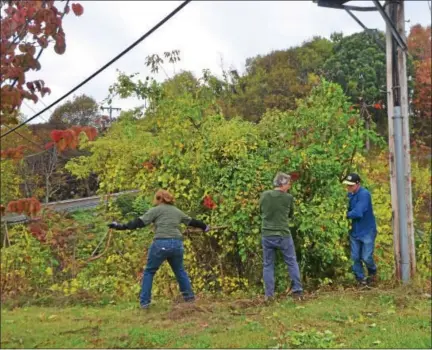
[
  {"x": 25, "y": 137},
  {"x": 130, "y": 47},
  {"x": 32, "y": 109}
]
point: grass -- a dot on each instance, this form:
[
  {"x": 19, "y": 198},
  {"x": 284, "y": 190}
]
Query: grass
[{"x": 398, "y": 318}]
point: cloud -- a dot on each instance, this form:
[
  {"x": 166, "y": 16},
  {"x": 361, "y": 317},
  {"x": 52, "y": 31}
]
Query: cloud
[{"x": 204, "y": 32}]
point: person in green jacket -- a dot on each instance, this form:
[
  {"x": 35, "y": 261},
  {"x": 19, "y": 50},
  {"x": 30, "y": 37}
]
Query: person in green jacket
[
  {"x": 277, "y": 207},
  {"x": 167, "y": 243}
]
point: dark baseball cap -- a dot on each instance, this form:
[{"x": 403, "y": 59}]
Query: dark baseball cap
[{"x": 352, "y": 179}]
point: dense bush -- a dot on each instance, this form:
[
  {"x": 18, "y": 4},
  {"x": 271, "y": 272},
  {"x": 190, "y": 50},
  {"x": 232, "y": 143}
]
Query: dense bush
[{"x": 217, "y": 169}]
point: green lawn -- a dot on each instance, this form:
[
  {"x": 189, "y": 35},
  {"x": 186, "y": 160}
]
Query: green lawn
[{"x": 399, "y": 318}]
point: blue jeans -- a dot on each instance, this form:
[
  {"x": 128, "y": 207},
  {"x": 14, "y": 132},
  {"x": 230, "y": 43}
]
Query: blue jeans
[
  {"x": 286, "y": 245},
  {"x": 161, "y": 250},
  {"x": 362, "y": 249}
]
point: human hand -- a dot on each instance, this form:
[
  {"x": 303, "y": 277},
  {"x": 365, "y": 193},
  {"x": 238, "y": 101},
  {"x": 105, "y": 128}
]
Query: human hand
[{"x": 115, "y": 226}]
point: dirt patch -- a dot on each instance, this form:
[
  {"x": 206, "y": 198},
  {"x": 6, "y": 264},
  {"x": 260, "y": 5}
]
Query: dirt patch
[
  {"x": 188, "y": 310},
  {"x": 245, "y": 304}
]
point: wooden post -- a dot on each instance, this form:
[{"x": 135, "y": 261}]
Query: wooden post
[{"x": 6, "y": 237}]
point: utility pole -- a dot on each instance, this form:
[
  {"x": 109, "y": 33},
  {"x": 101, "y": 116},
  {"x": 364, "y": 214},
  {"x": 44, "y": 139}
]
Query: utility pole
[
  {"x": 403, "y": 82},
  {"x": 110, "y": 108},
  {"x": 399, "y": 145},
  {"x": 398, "y": 126},
  {"x": 390, "y": 111}
]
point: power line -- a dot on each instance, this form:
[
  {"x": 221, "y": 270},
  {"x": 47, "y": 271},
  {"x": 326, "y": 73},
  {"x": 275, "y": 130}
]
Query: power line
[
  {"x": 35, "y": 143},
  {"x": 24, "y": 137},
  {"x": 163, "y": 21},
  {"x": 32, "y": 109},
  {"x": 42, "y": 101}
]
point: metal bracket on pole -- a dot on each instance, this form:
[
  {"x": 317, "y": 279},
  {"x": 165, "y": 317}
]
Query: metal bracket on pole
[
  {"x": 401, "y": 42},
  {"x": 371, "y": 32},
  {"x": 339, "y": 4},
  {"x": 359, "y": 8}
]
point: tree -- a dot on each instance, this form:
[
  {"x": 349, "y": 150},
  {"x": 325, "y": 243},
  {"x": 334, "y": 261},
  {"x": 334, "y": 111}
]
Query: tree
[
  {"x": 419, "y": 45},
  {"x": 27, "y": 28},
  {"x": 276, "y": 80},
  {"x": 82, "y": 110},
  {"x": 358, "y": 65},
  {"x": 57, "y": 184},
  {"x": 419, "y": 40}
]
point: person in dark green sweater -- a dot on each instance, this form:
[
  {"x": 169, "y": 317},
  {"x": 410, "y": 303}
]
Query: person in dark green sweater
[
  {"x": 167, "y": 244},
  {"x": 277, "y": 207}
]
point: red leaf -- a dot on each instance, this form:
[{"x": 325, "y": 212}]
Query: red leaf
[
  {"x": 49, "y": 145},
  {"x": 31, "y": 11},
  {"x": 295, "y": 175},
  {"x": 38, "y": 85},
  {"x": 77, "y": 9},
  {"x": 34, "y": 98},
  {"x": 56, "y": 135},
  {"x": 60, "y": 48},
  {"x": 30, "y": 86},
  {"x": 45, "y": 90},
  {"x": 43, "y": 42},
  {"x": 209, "y": 203}
]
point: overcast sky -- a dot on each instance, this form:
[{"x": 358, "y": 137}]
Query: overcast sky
[{"x": 206, "y": 33}]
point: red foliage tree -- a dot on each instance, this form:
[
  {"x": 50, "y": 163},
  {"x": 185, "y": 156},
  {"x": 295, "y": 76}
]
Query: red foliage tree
[
  {"x": 419, "y": 42},
  {"x": 27, "y": 206},
  {"x": 419, "y": 45},
  {"x": 27, "y": 27},
  {"x": 69, "y": 138},
  {"x": 16, "y": 153}
]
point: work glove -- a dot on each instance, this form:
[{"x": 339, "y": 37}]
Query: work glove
[
  {"x": 207, "y": 229},
  {"x": 116, "y": 226}
]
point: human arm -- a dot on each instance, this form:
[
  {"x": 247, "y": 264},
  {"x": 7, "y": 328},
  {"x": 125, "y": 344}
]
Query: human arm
[
  {"x": 188, "y": 221},
  {"x": 360, "y": 207},
  {"x": 136, "y": 223},
  {"x": 131, "y": 225},
  {"x": 199, "y": 224}
]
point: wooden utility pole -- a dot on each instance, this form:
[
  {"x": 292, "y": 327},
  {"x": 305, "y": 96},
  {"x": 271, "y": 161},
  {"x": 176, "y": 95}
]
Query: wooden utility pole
[
  {"x": 404, "y": 103},
  {"x": 393, "y": 186},
  {"x": 399, "y": 143}
]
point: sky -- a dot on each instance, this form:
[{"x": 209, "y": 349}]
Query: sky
[{"x": 209, "y": 34}]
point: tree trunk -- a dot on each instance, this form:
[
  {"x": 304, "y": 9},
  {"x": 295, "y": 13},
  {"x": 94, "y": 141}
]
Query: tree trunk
[
  {"x": 367, "y": 136},
  {"x": 47, "y": 188}
]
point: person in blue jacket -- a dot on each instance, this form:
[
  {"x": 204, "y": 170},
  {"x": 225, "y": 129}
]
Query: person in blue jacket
[{"x": 363, "y": 229}]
